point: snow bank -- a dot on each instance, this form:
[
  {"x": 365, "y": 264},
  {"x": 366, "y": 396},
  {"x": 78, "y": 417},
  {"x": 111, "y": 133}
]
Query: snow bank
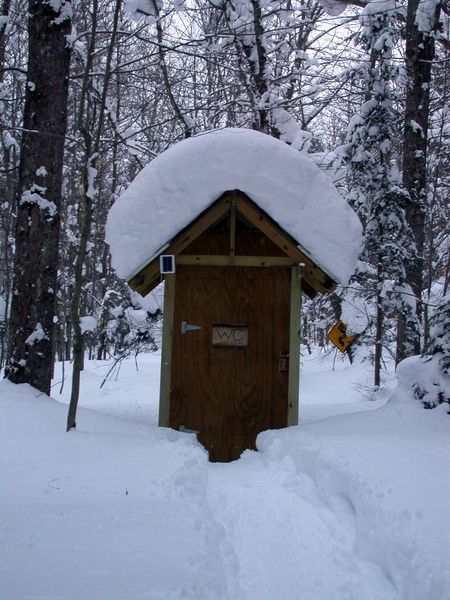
[
  {"x": 350, "y": 507},
  {"x": 423, "y": 378},
  {"x": 110, "y": 511},
  {"x": 386, "y": 473},
  {"x": 180, "y": 183}
]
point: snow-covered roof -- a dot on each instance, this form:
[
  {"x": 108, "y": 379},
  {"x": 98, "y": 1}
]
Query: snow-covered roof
[{"x": 184, "y": 180}]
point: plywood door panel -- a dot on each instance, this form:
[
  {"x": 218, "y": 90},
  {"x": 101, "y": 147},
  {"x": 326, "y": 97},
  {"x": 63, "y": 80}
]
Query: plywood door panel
[{"x": 227, "y": 394}]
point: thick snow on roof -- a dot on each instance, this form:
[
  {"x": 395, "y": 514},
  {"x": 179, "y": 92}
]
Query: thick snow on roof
[{"x": 185, "y": 179}]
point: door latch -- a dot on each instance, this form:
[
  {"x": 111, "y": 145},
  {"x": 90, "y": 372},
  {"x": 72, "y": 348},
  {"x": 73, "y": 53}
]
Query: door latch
[{"x": 186, "y": 327}]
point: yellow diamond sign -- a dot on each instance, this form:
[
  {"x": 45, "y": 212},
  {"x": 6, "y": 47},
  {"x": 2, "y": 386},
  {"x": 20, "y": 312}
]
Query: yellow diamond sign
[{"x": 338, "y": 336}]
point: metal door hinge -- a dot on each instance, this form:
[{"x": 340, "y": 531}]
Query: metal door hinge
[{"x": 186, "y": 327}]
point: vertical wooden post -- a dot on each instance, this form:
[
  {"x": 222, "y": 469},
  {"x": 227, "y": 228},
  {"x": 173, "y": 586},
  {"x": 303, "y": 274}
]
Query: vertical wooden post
[
  {"x": 294, "y": 347},
  {"x": 166, "y": 353},
  {"x": 300, "y": 334},
  {"x": 233, "y": 229}
]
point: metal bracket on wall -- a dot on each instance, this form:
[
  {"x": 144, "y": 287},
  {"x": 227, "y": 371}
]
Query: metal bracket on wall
[{"x": 186, "y": 327}]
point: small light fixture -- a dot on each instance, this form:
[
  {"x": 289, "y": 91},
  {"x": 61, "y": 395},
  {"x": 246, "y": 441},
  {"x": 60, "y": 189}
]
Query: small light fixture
[{"x": 167, "y": 264}]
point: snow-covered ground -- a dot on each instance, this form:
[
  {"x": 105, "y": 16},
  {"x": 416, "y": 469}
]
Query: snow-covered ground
[{"x": 350, "y": 505}]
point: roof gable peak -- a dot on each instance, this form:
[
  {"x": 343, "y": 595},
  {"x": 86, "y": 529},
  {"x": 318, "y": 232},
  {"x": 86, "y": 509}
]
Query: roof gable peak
[{"x": 234, "y": 206}]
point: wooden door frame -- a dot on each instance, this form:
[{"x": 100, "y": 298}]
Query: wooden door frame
[
  {"x": 294, "y": 346},
  {"x": 166, "y": 350},
  {"x": 294, "y": 349}
]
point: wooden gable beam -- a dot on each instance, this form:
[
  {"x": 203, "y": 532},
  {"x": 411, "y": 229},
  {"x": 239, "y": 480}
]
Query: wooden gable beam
[
  {"x": 315, "y": 280},
  {"x": 312, "y": 275},
  {"x": 149, "y": 276}
]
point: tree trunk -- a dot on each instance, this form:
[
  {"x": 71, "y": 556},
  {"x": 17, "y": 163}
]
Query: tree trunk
[
  {"x": 378, "y": 329},
  {"x": 78, "y": 341},
  {"x": 92, "y": 139},
  {"x": 420, "y": 49},
  {"x": 39, "y": 197}
]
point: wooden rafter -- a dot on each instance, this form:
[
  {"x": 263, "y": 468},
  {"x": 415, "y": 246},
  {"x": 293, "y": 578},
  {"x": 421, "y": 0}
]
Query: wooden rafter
[
  {"x": 237, "y": 204},
  {"x": 312, "y": 274},
  {"x": 149, "y": 276}
]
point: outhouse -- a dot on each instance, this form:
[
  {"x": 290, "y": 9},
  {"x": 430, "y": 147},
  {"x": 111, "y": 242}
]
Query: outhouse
[{"x": 238, "y": 225}]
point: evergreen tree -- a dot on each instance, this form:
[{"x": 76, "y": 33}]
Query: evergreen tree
[
  {"x": 377, "y": 194},
  {"x": 421, "y": 29},
  {"x": 440, "y": 335},
  {"x": 432, "y": 385}
]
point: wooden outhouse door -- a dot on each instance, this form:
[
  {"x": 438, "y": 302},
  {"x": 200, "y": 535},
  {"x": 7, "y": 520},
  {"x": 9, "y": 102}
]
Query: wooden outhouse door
[{"x": 229, "y": 377}]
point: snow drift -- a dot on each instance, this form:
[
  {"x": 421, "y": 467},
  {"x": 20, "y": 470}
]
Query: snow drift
[{"x": 350, "y": 507}]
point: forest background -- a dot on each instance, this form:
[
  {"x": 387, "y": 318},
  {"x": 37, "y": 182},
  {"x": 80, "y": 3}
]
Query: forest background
[{"x": 92, "y": 90}]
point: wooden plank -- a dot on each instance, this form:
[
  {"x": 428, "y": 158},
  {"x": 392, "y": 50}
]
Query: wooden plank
[
  {"x": 294, "y": 347},
  {"x": 280, "y": 346},
  {"x": 233, "y": 228},
  {"x": 316, "y": 278},
  {"x": 300, "y": 308},
  {"x": 166, "y": 352},
  {"x": 224, "y": 393},
  {"x": 252, "y": 242},
  {"x": 215, "y": 241},
  {"x": 238, "y": 261},
  {"x": 149, "y": 276},
  {"x": 208, "y": 218}
]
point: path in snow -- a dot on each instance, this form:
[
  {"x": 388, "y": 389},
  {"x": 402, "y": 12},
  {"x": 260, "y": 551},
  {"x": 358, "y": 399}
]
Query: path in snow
[
  {"x": 278, "y": 525},
  {"x": 287, "y": 541}
]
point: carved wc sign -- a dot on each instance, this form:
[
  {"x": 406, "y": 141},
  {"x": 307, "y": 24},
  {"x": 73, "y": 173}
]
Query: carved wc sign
[{"x": 229, "y": 335}]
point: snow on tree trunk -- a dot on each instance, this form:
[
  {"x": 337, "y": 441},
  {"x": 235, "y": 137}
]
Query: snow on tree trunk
[
  {"x": 421, "y": 22},
  {"x": 40, "y": 177}
]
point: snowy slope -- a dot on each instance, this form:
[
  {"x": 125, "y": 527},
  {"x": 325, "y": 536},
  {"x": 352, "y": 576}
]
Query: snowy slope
[
  {"x": 183, "y": 181},
  {"x": 109, "y": 512},
  {"x": 350, "y": 507}
]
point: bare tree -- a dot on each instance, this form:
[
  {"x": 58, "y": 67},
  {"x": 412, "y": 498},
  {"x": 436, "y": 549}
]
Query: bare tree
[{"x": 91, "y": 122}]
